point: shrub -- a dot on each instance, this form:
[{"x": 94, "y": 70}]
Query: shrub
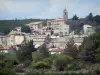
[
  {"x": 27, "y": 63},
  {"x": 19, "y": 69},
  {"x": 97, "y": 70},
  {"x": 2, "y": 64},
  {"x": 9, "y": 63},
  {"x": 7, "y": 71},
  {"x": 44, "y": 72},
  {"x": 97, "y": 56},
  {"x": 48, "y": 60},
  {"x": 61, "y": 62},
  {"x": 36, "y": 57},
  {"x": 40, "y": 65}
]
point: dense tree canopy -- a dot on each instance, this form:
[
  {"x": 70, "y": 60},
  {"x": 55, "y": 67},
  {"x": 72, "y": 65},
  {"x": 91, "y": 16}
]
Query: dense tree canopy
[
  {"x": 75, "y": 17},
  {"x": 25, "y": 51},
  {"x": 90, "y": 17},
  {"x": 91, "y": 48},
  {"x": 7, "y": 25}
]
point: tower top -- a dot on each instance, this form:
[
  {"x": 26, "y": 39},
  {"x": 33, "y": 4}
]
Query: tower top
[
  {"x": 65, "y": 9},
  {"x": 65, "y": 15}
]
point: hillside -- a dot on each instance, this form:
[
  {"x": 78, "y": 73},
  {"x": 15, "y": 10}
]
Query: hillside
[{"x": 8, "y": 25}]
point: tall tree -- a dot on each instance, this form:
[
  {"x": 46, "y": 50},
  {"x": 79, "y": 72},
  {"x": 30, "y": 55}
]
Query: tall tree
[
  {"x": 25, "y": 51},
  {"x": 75, "y": 17},
  {"x": 90, "y": 17},
  {"x": 97, "y": 19},
  {"x": 43, "y": 51},
  {"x": 91, "y": 48}
]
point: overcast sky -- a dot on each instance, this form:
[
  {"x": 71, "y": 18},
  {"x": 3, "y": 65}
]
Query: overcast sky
[{"x": 11, "y": 9}]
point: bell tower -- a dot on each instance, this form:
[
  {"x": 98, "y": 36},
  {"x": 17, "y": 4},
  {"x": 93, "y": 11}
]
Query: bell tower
[{"x": 65, "y": 15}]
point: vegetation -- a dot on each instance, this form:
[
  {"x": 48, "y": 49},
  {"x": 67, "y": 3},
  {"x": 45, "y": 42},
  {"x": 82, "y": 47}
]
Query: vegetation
[
  {"x": 75, "y": 17},
  {"x": 39, "y": 61},
  {"x": 71, "y": 49},
  {"x": 25, "y": 51},
  {"x": 7, "y": 25}
]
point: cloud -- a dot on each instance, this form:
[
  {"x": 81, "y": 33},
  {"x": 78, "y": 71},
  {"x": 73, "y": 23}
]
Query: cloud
[
  {"x": 3, "y": 9},
  {"x": 47, "y": 8},
  {"x": 79, "y": 7}
]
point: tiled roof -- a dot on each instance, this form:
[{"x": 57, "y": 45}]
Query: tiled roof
[
  {"x": 56, "y": 50},
  {"x": 4, "y": 47}
]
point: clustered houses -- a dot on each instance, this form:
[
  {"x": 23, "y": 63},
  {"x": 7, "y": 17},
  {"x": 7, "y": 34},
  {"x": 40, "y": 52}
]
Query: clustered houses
[{"x": 58, "y": 30}]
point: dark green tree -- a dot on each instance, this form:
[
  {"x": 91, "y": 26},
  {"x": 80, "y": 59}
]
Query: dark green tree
[
  {"x": 75, "y": 17},
  {"x": 25, "y": 51},
  {"x": 26, "y": 29},
  {"x": 97, "y": 19},
  {"x": 90, "y": 17},
  {"x": 91, "y": 48},
  {"x": 43, "y": 51}
]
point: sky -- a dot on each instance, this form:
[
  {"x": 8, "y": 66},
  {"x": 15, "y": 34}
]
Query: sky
[{"x": 47, "y": 9}]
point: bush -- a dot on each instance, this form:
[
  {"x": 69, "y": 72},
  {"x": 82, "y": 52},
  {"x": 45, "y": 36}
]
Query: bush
[
  {"x": 7, "y": 71},
  {"x": 44, "y": 72},
  {"x": 48, "y": 60},
  {"x": 41, "y": 65},
  {"x": 97, "y": 56},
  {"x": 27, "y": 63},
  {"x": 36, "y": 57},
  {"x": 97, "y": 70},
  {"x": 19, "y": 69},
  {"x": 2, "y": 64},
  {"x": 9, "y": 63},
  {"x": 61, "y": 62}
]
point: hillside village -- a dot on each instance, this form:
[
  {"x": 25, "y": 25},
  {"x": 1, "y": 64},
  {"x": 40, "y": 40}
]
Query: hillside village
[
  {"x": 58, "y": 46},
  {"x": 58, "y": 30}
]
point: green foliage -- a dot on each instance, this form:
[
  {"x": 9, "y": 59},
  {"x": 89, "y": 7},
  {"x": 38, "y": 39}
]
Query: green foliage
[
  {"x": 71, "y": 49},
  {"x": 7, "y": 25},
  {"x": 90, "y": 17},
  {"x": 19, "y": 69},
  {"x": 97, "y": 19},
  {"x": 45, "y": 72},
  {"x": 27, "y": 63},
  {"x": 25, "y": 51},
  {"x": 43, "y": 51},
  {"x": 75, "y": 17},
  {"x": 97, "y": 57},
  {"x": 7, "y": 71},
  {"x": 62, "y": 61},
  {"x": 97, "y": 70},
  {"x": 41, "y": 65},
  {"x": 48, "y": 60},
  {"x": 36, "y": 57},
  {"x": 91, "y": 48},
  {"x": 26, "y": 29}
]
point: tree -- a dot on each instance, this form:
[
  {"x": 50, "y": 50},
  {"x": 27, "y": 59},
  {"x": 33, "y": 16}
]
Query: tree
[
  {"x": 91, "y": 48},
  {"x": 26, "y": 29},
  {"x": 71, "y": 49},
  {"x": 97, "y": 19},
  {"x": 87, "y": 48},
  {"x": 90, "y": 17},
  {"x": 43, "y": 51},
  {"x": 75, "y": 17},
  {"x": 25, "y": 51},
  {"x": 61, "y": 62}
]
